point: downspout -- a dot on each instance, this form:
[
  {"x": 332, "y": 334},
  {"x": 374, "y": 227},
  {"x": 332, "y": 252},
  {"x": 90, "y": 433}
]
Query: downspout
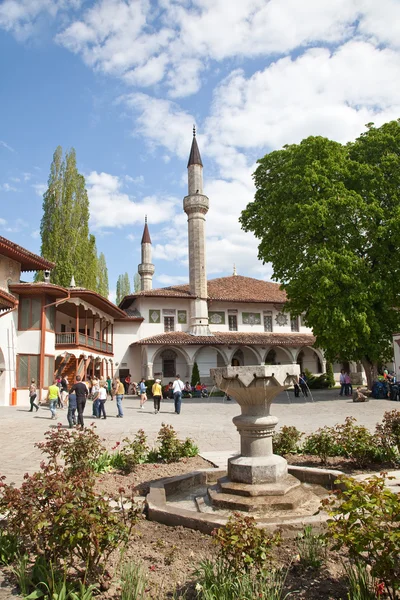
[{"x": 43, "y": 338}]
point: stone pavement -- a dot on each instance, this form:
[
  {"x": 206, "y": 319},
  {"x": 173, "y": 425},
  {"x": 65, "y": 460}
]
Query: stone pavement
[{"x": 207, "y": 421}]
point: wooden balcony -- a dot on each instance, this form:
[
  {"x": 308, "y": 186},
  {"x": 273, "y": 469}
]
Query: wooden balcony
[{"x": 74, "y": 340}]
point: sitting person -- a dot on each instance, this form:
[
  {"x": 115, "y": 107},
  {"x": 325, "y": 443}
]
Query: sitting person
[
  {"x": 187, "y": 390},
  {"x": 204, "y": 391},
  {"x": 197, "y": 390},
  {"x": 359, "y": 396}
]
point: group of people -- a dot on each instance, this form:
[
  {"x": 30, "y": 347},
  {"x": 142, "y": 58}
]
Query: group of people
[
  {"x": 346, "y": 389},
  {"x": 301, "y": 385},
  {"x": 174, "y": 390}
]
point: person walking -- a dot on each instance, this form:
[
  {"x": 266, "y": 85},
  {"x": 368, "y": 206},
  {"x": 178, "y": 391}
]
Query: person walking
[
  {"x": 33, "y": 395},
  {"x": 342, "y": 381},
  {"x": 54, "y": 398},
  {"x": 119, "y": 394},
  {"x": 303, "y": 384},
  {"x": 177, "y": 388},
  {"x": 81, "y": 391},
  {"x": 72, "y": 406},
  {"x": 109, "y": 386},
  {"x": 347, "y": 384},
  {"x": 59, "y": 401},
  {"x": 64, "y": 390},
  {"x": 156, "y": 390},
  {"x": 95, "y": 398},
  {"x": 102, "y": 399},
  {"x": 127, "y": 383},
  {"x": 143, "y": 392}
]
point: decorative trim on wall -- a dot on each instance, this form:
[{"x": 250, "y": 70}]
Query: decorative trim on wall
[
  {"x": 251, "y": 318},
  {"x": 154, "y": 316},
  {"x": 217, "y": 318},
  {"x": 232, "y": 311},
  {"x": 169, "y": 312},
  {"x": 182, "y": 317},
  {"x": 281, "y": 319}
]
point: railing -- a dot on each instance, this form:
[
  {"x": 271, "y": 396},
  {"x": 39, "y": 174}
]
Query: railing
[{"x": 71, "y": 338}]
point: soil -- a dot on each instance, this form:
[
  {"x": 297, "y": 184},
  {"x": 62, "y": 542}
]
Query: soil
[{"x": 340, "y": 463}]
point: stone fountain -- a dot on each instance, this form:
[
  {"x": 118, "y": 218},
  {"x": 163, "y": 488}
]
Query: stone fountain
[{"x": 257, "y": 479}]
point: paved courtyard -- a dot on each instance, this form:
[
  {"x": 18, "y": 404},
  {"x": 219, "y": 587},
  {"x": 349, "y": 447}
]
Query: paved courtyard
[{"x": 207, "y": 421}]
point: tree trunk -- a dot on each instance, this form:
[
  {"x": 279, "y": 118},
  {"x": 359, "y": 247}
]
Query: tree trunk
[{"x": 371, "y": 371}]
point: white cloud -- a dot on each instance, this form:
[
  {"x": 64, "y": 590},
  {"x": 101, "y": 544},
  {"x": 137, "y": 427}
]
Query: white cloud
[
  {"x": 22, "y": 16},
  {"x": 35, "y": 234},
  {"x": 131, "y": 237},
  {"x": 135, "y": 180},
  {"x": 167, "y": 280},
  {"x": 112, "y": 296},
  {"x": 39, "y": 188},
  {"x": 3, "y": 222},
  {"x": 6, "y": 187},
  {"x": 110, "y": 207},
  {"x": 3, "y": 143}
]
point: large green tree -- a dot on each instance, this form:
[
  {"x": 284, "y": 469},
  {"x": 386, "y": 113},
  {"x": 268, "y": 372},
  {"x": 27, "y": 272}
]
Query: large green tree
[
  {"x": 65, "y": 225},
  {"x": 123, "y": 287},
  {"x": 328, "y": 219},
  {"x": 102, "y": 276}
]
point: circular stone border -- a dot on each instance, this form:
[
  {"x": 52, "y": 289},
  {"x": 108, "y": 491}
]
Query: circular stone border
[{"x": 159, "y": 510}]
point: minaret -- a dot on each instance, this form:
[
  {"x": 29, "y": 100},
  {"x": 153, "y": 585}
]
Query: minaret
[
  {"x": 195, "y": 205},
  {"x": 146, "y": 268}
]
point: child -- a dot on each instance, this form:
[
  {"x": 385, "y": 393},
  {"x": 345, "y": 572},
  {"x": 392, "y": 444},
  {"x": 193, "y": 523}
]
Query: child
[{"x": 72, "y": 406}]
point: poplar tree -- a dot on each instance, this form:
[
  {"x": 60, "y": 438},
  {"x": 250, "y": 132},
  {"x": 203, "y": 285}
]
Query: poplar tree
[
  {"x": 64, "y": 227},
  {"x": 136, "y": 283},
  {"x": 123, "y": 287},
  {"x": 102, "y": 276}
]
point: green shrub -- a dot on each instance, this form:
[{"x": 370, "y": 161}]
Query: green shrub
[
  {"x": 195, "y": 375},
  {"x": 362, "y": 585},
  {"x": 9, "y": 547},
  {"x": 323, "y": 444},
  {"x": 242, "y": 545},
  {"x": 357, "y": 442},
  {"x": 366, "y": 521},
  {"x": 286, "y": 440},
  {"x": 311, "y": 548},
  {"x": 149, "y": 384},
  {"x": 134, "y": 452},
  {"x": 388, "y": 434},
  {"x": 316, "y": 382},
  {"x": 330, "y": 378},
  {"x": 170, "y": 448}
]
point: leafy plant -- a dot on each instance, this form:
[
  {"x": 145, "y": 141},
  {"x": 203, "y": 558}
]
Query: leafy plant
[
  {"x": 388, "y": 434},
  {"x": 195, "y": 375},
  {"x": 170, "y": 448},
  {"x": 134, "y": 452},
  {"x": 316, "y": 382},
  {"x": 311, "y": 548},
  {"x": 286, "y": 440},
  {"x": 9, "y": 547},
  {"x": 133, "y": 581},
  {"x": 357, "y": 442},
  {"x": 330, "y": 378},
  {"x": 21, "y": 573},
  {"x": 242, "y": 545},
  {"x": 366, "y": 521},
  {"x": 362, "y": 585},
  {"x": 322, "y": 443}
]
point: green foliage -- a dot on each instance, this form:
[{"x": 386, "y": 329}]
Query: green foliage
[
  {"x": 366, "y": 521},
  {"x": 64, "y": 226},
  {"x": 286, "y": 440},
  {"x": 102, "y": 276},
  {"x": 332, "y": 244},
  {"x": 357, "y": 443},
  {"x": 170, "y": 448},
  {"x": 311, "y": 547},
  {"x": 9, "y": 547},
  {"x": 216, "y": 582},
  {"x": 133, "y": 582},
  {"x": 136, "y": 283},
  {"x": 330, "y": 379},
  {"x": 195, "y": 375},
  {"x": 123, "y": 287},
  {"x": 316, "y": 382},
  {"x": 361, "y": 584},
  {"x": 322, "y": 443},
  {"x": 389, "y": 433},
  {"x": 149, "y": 384},
  {"x": 134, "y": 452},
  {"x": 242, "y": 545},
  {"x": 21, "y": 574}
]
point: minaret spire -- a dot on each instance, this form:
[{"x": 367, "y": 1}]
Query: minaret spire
[
  {"x": 146, "y": 268},
  {"x": 195, "y": 205}
]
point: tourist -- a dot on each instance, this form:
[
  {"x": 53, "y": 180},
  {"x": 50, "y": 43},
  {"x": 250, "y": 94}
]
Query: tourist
[
  {"x": 296, "y": 389},
  {"x": 358, "y": 396},
  {"x": 127, "y": 383},
  {"x": 64, "y": 390},
  {"x": 177, "y": 388},
  {"x": 143, "y": 392},
  {"x": 119, "y": 394},
  {"x": 342, "y": 381},
  {"x": 102, "y": 398},
  {"x": 303, "y": 384},
  {"x": 187, "y": 390},
  {"x": 72, "y": 406},
  {"x": 54, "y": 398},
  {"x": 348, "y": 386},
  {"x": 109, "y": 386},
  {"x": 197, "y": 389},
  {"x": 156, "y": 391},
  {"x": 204, "y": 391},
  {"x": 95, "y": 398},
  {"x": 81, "y": 391},
  {"x": 59, "y": 385},
  {"x": 33, "y": 395}
]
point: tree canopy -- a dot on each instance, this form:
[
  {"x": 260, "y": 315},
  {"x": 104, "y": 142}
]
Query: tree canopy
[
  {"x": 123, "y": 287},
  {"x": 64, "y": 227},
  {"x": 328, "y": 219}
]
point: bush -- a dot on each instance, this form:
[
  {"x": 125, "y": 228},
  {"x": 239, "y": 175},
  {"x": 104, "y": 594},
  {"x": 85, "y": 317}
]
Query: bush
[
  {"x": 323, "y": 444},
  {"x": 9, "y": 547},
  {"x": 362, "y": 586},
  {"x": 357, "y": 442},
  {"x": 388, "y": 434},
  {"x": 286, "y": 440},
  {"x": 316, "y": 382},
  {"x": 195, "y": 375},
  {"x": 134, "y": 452},
  {"x": 365, "y": 521},
  {"x": 170, "y": 449},
  {"x": 330, "y": 378},
  {"x": 242, "y": 545}
]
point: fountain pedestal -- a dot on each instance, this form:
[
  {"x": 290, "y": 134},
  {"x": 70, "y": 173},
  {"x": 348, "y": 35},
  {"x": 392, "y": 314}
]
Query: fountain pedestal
[{"x": 257, "y": 478}]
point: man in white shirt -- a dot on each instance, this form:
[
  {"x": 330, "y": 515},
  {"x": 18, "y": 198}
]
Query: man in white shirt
[{"x": 177, "y": 388}]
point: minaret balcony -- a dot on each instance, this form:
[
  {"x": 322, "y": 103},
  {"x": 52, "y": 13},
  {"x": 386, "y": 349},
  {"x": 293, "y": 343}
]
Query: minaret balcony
[{"x": 196, "y": 203}]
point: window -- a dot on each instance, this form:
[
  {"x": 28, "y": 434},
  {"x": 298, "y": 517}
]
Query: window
[
  {"x": 294, "y": 323},
  {"x": 50, "y": 316},
  {"x": 30, "y": 310},
  {"x": 63, "y": 328},
  {"x": 49, "y": 368},
  {"x": 232, "y": 322},
  {"x": 268, "y": 322},
  {"x": 169, "y": 323},
  {"x": 27, "y": 369}
]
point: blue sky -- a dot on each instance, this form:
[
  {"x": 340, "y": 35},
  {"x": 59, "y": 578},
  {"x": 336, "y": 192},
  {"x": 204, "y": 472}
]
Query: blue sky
[{"x": 123, "y": 81}]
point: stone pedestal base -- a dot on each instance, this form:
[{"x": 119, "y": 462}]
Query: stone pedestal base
[{"x": 257, "y": 469}]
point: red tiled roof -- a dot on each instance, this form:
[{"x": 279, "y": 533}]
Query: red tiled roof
[
  {"x": 28, "y": 260},
  {"x": 7, "y": 300},
  {"x": 230, "y": 338},
  {"x": 39, "y": 287},
  {"x": 235, "y": 288},
  {"x": 98, "y": 301}
]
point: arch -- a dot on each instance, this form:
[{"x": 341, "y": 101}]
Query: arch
[
  {"x": 219, "y": 351},
  {"x": 245, "y": 355},
  {"x": 181, "y": 364},
  {"x": 280, "y": 354},
  {"x": 209, "y": 357},
  {"x": 310, "y": 358}
]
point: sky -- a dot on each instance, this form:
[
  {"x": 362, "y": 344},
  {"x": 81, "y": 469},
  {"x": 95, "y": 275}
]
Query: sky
[{"x": 123, "y": 82}]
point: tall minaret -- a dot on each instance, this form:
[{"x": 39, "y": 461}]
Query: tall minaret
[
  {"x": 195, "y": 205},
  {"x": 146, "y": 268}
]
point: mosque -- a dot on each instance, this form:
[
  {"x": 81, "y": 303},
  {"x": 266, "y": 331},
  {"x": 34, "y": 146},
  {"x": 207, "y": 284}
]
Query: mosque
[{"x": 48, "y": 330}]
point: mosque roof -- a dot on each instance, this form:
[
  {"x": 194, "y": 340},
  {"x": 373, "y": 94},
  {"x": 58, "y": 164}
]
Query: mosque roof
[
  {"x": 235, "y": 288},
  {"x": 194, "y": 156},
  {"x": 146, "y": 239},
  {"x": 230, "y": 338},
  {"x": 28, "y": 260}
]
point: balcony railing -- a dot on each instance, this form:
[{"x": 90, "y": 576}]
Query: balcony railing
[{"x": 73, "y": 338}]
